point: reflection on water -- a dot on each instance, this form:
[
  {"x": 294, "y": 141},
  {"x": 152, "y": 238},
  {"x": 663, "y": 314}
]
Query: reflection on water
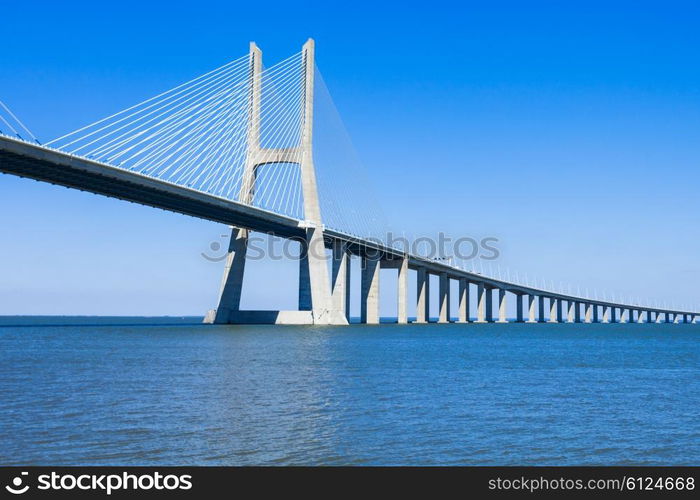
[{"x": 130, "y": 393}]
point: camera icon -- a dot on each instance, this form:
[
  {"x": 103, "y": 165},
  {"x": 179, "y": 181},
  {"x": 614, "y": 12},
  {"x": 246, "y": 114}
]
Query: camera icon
[{"x": 16, "y": 487}]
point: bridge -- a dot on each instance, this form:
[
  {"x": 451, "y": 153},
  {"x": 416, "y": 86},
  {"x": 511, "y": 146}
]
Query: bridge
[{"x": 235, "y": 146}]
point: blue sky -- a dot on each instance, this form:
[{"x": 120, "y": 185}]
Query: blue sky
[{"x": 570, "y": 132}]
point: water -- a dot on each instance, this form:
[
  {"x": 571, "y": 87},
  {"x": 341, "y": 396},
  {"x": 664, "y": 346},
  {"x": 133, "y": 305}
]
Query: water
[{"x": 127, "y": 393}]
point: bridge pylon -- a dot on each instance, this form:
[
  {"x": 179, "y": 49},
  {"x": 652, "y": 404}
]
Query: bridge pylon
[{"x": 316, "y": 305}]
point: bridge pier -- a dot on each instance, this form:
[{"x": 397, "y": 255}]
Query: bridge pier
[
  {"x": 401, "y": 266},
  {"x": 480, "y": 303},
  {"x": 577, "y": 312},
  {"x": 402, "y": 293},
  {"x": 304, "y": 300},
  {"x": 341, "y": 278},
  {"x": 423, "y": 296},
  {"x": 540, "y": 306},
  {"x": 531, "y": 309},
  {"x": 560, "y": 310},
  {"x": 444, "y": 298},
  {"x": 369, "y": 298},
  {"x": 232, "y": 281},
  {"x": 589, "y": 313},
  {"x": 519, "y": 297},
  {"x": 489, "y": 305},
  {"x": 595, "y": 314},
  {"x": 622, "y": 318},
  {"x": 502, "y": 303},
  {"x": 606, "y": 314},
  {"x": 463, "y": 301},
  {"x": 553, "y": 316},
  {"x": 570, "y": 312}
]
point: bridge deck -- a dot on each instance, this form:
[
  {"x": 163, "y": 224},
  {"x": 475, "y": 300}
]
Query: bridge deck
[{"x": 48, "y": 165}]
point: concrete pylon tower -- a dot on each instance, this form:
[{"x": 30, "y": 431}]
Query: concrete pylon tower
[
  {"x": 232, "y": 281},
  {"x": 315, "y": 302},
  {"x": 315, "y": 263}
]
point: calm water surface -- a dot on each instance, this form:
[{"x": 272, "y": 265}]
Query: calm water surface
[{"x": 176, "y": 393}]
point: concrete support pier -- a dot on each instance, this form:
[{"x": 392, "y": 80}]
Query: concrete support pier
[
  {"x": 304, "y": 298},
  {"x": 589, "y": 313},
  {"x": 402, "y": 293},
  {"x": 560, "y": 310},
  {"x": 369, "y": 299},
  {"x": 502, "y": 306},
  {"x": 553, "y": 316},
  {"x": 570, "y": 313},
  {"x": 489, "y": 305},
  {"x": 519, "y": 308},
  {"x": 480, "y": 303},
  {"x": 463, "y": 301},
  {"x": 540, "y": 306},
  {"x": 422, "y": 296},
  {"x": 232, "y": 282},
  {"x": 623, "y": 318},
  {"x": 531, "y": 316},
  {"x": 444, "y": 298},
  {"x": 341, "y": 278}
]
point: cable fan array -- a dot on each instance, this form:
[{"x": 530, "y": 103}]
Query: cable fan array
[
  {"x": 347, "y": 199},
  {"x": 195, "y": 135}
]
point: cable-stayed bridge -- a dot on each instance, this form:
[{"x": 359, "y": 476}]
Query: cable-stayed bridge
[{"x": 236, "y": 146}]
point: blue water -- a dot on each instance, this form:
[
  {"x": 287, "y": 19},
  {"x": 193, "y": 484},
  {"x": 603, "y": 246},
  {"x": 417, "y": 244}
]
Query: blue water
[{"x": 127, "y": 392}]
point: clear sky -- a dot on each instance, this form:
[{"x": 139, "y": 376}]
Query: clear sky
[{"x": 570, "y": 132}]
